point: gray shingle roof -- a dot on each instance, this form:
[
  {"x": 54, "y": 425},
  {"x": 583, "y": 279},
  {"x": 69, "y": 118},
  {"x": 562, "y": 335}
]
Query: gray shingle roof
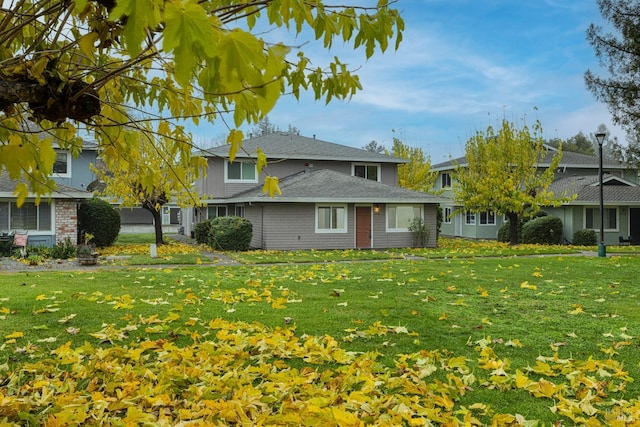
[
  {"x": 569, "y": 159},
  {"x": 7, "y": 187},
  {"x": 324, "y": 185},
  {"x": 282, "y": 145},
  {"x": 587, "y": 190}
]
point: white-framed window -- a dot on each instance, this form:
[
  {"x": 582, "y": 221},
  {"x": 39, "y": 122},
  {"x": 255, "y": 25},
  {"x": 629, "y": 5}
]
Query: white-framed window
[
  {"x": 62, "y": 165},
  {"x": 488, "y": 218},
  {"x": 447, "y": 213},
  {"x": 216, "y": 211},
  {"x": 239, "y": 211},
  {"x": 331, "y": 218},
  {"x": 445, "y": 180},
  {"x": 592, "y": 219},
  {"x": 28, "y": 217},
  {"x": 239, "y": 171},
  {"x": 399, "y": 217},
  {"x": 367, "y": 170},
  {"x": 470, "y": 218}
]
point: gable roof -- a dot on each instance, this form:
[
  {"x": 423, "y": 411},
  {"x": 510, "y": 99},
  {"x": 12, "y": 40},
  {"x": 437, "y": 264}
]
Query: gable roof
[
  {"x": 328, "y": 186},
  {"x": 569, "y": 159},
  {"x": 283, "y": 145},
  {"x": 8, "y": 186},
  {"x": 615, "y": 190}
]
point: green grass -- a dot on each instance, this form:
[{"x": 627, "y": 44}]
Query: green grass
[{"x": 522, "y": 308}]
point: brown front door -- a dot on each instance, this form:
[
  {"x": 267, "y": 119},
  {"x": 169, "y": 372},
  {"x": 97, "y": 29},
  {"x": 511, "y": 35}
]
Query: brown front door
[{"x": 363, "y": 226}]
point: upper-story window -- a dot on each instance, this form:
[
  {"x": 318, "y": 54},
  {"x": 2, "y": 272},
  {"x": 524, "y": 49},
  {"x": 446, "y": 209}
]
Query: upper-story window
[
  {"x": 367, "y": 170},
  {"x": 241, "y": 172},
  {"x": 62, "y": 165},
  {"x": 446, "y": 180}
]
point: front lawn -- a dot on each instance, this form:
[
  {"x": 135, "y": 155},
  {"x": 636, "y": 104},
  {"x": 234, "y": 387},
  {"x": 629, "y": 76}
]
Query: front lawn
[{"x": 495, "y": 340}]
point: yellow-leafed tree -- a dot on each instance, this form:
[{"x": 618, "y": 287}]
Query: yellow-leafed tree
[
  {"x": 501, "y": 173},
  {"x": 98, "y": 68},
  {"x": 416, "y": 174}
]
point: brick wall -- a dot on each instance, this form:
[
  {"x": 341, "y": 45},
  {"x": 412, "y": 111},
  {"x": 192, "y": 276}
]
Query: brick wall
[{"x": 66, "y": 220}]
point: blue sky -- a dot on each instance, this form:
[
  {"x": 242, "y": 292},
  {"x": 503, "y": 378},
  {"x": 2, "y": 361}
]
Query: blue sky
[{"x": 463, "y": 65}]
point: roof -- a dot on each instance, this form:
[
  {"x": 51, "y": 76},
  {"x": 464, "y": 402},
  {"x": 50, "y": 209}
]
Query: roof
[
  {"x": 327, "y": 186},
  {"x": 569, "y": 159},
  {"x": 587, "y": 190},
  {"x": 283, "y": 145},
  {"x": 7, "y": 187}
]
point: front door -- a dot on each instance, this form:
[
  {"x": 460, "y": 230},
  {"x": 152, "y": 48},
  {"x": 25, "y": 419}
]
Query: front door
[
  {"x": 363, "y": 226},
  {"x": 634, "y": 225}
]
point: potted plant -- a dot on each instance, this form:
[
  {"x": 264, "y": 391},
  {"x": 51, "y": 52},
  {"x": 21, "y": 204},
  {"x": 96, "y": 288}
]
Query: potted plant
[{"x": 86, "y": 253}]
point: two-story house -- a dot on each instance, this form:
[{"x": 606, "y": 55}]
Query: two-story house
[
  {"x": 54, "y": 219},
  {"x": 333, "y": 196},
  {"x": 577, "y": 175}
]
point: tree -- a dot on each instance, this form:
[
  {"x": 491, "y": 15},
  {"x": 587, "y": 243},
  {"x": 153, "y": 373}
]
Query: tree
[
  {"x": 375, "y": 147},
  {"x": 265, "y": 127},
  {"x": 501, "y": 173},
  {"x": 620, "y": 56},
  {"x": 133, "y": 185},
  {"x": 78, "y": 67},
  {"x": 579, "y": 143},
  {"x": 415, "y": 175}
]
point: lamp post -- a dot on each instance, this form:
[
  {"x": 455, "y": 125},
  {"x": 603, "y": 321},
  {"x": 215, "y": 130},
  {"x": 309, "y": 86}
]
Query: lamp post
[{"x": 602, "y": 249}]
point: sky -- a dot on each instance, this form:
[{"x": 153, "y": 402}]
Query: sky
[{"x": 463, "y": 65}]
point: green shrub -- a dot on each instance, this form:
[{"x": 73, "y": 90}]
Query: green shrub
[
  {"x": 227, "y": 233},
  {"x": 585, "y": 238},
  {"x": 201, "y": 232},
  {"x": 504, "y": 232},
  {"x": 420, "y": 232},
  {"x": 546, "y": 230},
  {"x": 99, "y": 218},
  {"x": 63, "y": 250}
]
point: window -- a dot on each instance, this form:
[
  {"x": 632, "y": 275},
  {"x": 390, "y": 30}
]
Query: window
[
  {"x": 447, "y": 215},
  {"x": 487, "y": 218},
  {"x": 367, "y": 171},
  {"x": 470, "y": 218},
  {"x": 331, "y": 219},
  {"x": 399, "y": 217},
  {"x": 241, "y": 172},
  {"x": 28, "y": 217},
  {"x": 216, "y": 211},
  {"x": 240, "y": 211},
  {"x": 62, "y": 165},
  {"x": 445, "y": 180},
  {"x": 592, "y": 218}
]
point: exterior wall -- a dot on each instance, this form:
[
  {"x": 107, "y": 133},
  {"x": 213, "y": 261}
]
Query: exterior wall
[
  {"x": 213, "y": 184},
  {"x": 66, "y": 221},
  {"x": 81, "y": 175}
]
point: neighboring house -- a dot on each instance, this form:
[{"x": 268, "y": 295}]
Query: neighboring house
[
  {"x": 333, "y": 196},
  {"x": 53, "y": 220},
  {"x": 576, "y": 175}
]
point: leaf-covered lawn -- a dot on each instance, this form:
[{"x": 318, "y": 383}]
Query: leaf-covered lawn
[{"x": 504, "y": 341}]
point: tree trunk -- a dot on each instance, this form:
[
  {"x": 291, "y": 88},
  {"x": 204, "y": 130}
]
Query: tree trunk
[
  {"x": 513, "y": 227},
  {"x": 157, "y": 222}
]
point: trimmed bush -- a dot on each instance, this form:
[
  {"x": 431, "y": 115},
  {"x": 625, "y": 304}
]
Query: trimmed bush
[
  {"x": 585, "y": 238},
  {"x": 99, "y": 218},
  {"x": 504, "y": 232},
  {"x": 546, "y": 230},
  {"x": 226, "y": 233}
]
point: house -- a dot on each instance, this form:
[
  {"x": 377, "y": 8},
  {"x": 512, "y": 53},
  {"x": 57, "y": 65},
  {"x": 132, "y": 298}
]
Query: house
[
  {"x": 333, "y": 196},
  {"x": 576, "y": 175},
  {"x": 52, "y": 220}
]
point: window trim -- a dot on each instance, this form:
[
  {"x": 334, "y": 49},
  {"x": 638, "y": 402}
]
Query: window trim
[
  {"x": 596, "y": 210},
  {"x": 241, "y": 180},
  {"x": 67, "y": 174},
  {"x": 397, "y": 229},
  {"x": 448, "y": 180},
  {"x": 332, "y": 230},
  {"x": 469, "y": 218},
  {"x": 447, "y": 218},
  {"x": 488, "y": 214},
  {"x": 10, "y": 204},
  {"x": 377, "y": 165}
]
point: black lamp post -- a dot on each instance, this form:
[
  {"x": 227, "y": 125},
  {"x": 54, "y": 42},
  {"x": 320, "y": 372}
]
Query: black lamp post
[{"x": 602, "y": 249}]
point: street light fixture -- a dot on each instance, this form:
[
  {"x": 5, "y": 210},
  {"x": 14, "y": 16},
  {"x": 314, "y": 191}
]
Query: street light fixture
[{"x": 602, "y": 249}]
